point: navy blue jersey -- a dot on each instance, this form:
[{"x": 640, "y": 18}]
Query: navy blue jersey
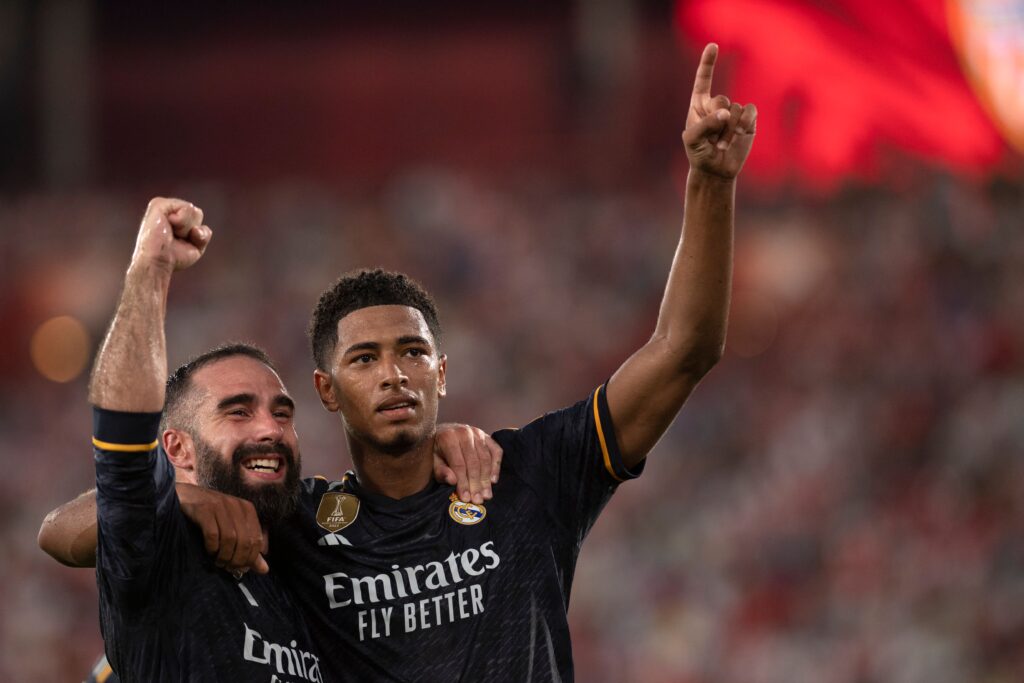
[
  {"x": 166, "y": 612},
  {"x": 429, "y": 588}
]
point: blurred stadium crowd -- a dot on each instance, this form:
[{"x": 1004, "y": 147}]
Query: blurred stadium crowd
[{"x": 841, "y": 501}]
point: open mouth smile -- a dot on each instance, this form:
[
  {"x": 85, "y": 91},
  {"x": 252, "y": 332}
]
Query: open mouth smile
[{"x": 266, "y": 467}]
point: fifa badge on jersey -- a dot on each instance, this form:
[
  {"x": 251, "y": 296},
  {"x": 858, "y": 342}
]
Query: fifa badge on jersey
[
  {"x": 465, "y": 513},
  {"x": 337, "y": 511}
]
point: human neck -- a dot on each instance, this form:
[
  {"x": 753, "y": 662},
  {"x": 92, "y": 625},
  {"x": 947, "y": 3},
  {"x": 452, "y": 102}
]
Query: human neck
[{"x": 391, "y": 475}]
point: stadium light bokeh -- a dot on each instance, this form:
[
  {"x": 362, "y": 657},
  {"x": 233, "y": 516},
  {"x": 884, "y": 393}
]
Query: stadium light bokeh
[{"x": 60, "y": 348}]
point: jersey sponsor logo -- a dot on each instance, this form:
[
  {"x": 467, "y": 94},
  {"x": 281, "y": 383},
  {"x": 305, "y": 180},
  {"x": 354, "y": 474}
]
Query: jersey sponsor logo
[
  {"x": 287, "y": 660},
  {"x": 466, "y": 513},
  {"x": 337, "y": 511},
  {"x": 376, "y": 597}
]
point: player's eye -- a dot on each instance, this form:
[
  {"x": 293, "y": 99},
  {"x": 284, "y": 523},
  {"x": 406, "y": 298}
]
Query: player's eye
[
  {"x": 238, "y": 412},
  {"x": 416, "y": 353},
  {"x": 363, "y": 358}
]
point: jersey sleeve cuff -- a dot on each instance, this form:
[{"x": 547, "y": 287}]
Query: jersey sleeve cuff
[
  {"x": 610, "y": 455},
  {"x": 118, "y": 431}
]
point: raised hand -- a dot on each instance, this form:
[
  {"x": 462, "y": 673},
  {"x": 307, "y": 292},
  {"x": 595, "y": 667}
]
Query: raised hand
[
  {"x": 171, "y": 236},
  {"x": 718, "y": 132}
]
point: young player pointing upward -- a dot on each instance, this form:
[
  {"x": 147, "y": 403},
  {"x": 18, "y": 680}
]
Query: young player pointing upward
[{"x": 395, "y": 565}]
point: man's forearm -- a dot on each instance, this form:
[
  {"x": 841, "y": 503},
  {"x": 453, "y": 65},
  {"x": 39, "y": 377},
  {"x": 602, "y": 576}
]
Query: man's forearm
[
  {"x": 645, "y": 394},
  {"x": 131, "y": 365},
  {"x": 68, "y": 534},
  {"x": 695, "y": 308}
]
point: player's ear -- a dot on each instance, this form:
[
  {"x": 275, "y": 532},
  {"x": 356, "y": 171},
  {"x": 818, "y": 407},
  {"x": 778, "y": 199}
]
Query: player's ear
[
  {"x": 442, "y": 368},
  {"x": 325, "y": 390},
  {"x": 180, "y": 449}
]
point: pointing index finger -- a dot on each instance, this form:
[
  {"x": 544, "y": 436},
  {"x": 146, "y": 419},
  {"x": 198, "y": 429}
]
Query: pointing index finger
[{"x": 702, "y": 83}]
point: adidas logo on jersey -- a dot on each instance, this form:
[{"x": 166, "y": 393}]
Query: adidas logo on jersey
[{"x": 332, "y": 540}]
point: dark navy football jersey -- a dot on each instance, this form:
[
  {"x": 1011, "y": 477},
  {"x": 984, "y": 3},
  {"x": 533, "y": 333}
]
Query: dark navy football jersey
[
  {"x": 429, "y": 588},
  {"x": 166, "y": 612}
]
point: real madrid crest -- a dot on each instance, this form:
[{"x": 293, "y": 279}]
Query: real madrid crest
[
  {"x": 465, "y": 513},
  {"x": 337, "y": 511}
]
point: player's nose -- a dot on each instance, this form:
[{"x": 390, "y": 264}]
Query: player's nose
[
  {"x": 392, "y": 375},
  {"x": 268, "y": 427}
]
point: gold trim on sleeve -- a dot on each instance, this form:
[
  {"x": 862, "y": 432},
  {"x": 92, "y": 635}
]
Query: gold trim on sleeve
[
  {"x": 604, "y": 444},
  {"x": 125, "y": 448}
]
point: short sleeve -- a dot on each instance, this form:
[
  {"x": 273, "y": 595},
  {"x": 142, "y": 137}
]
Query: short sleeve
[
  {"x": 571, "y": 459},
  {"x": 137, "y": 510}
]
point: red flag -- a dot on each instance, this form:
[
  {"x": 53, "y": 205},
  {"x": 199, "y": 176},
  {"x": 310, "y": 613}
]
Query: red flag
[{"x": 839, "y": 85}]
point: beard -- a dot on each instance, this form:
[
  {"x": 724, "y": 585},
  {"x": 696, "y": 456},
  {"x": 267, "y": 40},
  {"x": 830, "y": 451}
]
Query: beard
[
  {"x": 273, "y": 502},
  {"x": 396, "y": 441},
  {"x": 395, "y": 445},
  {"x": 398, "y": 445}
]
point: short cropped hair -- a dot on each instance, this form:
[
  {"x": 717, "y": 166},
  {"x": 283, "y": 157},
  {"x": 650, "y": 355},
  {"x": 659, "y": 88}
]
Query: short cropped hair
[
  {"x": 362, "y": 289},
  {"x": 180, "y": 381}
]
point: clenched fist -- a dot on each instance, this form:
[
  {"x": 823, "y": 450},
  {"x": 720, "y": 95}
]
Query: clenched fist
[{"x": 172, "y": 235}]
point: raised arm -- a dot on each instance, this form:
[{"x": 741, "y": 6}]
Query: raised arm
[
  {"x": 647, "y": 391},
  {"x": 132, "y": 361},
  {"x": 131, "y": 367}
]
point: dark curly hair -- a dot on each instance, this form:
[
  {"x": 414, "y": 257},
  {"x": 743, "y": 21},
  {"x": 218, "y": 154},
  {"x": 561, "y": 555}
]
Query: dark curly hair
[{"x": 362, "y": 289}]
